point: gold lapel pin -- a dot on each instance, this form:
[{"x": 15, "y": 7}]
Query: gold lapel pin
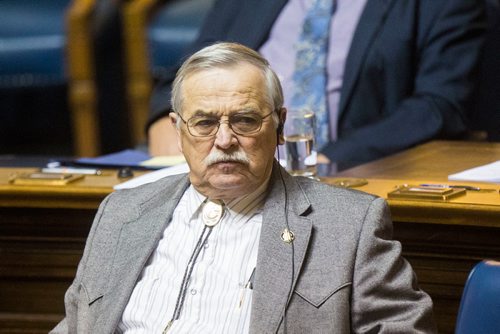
[{"x": 287, "y": 236}]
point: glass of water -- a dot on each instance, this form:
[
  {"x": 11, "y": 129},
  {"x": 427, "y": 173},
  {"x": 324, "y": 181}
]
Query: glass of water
[{"x": 299, "y": 143}]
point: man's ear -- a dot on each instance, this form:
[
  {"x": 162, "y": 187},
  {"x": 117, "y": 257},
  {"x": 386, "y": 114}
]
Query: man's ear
[
  {"x": 281, "y": 126},
  {"x": 173, "y": 118}
]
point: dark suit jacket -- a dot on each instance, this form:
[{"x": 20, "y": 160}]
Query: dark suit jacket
[
  {"x": 408, "y": 74},
  {"x": 343, "y": 273},
  {"x": 484, "y": 114}
]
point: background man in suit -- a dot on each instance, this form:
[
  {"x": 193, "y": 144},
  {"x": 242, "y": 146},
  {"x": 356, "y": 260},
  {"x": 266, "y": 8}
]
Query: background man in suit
[
  {"x": 399, "y": 73},
  {"x": 238, "y": 245}
]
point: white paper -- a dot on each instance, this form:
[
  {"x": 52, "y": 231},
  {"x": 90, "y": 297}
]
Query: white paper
[
  {"x": 485, "y": 173},
  {"x": 163, "y": 161},
  {"x": 153, "y": 176}
]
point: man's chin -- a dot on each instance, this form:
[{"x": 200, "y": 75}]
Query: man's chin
[{"x": 229, "y": 181}]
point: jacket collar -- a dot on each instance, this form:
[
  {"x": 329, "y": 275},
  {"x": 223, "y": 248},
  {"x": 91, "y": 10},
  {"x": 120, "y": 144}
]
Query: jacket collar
[{"x": 274, "y": 280}]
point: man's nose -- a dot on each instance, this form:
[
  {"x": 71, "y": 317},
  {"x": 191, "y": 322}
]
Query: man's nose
[{"x": 225, "y": 137}]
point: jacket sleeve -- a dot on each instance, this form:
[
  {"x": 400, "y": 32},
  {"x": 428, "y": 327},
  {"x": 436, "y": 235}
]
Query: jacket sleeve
[{"x": 385, "y": 293}]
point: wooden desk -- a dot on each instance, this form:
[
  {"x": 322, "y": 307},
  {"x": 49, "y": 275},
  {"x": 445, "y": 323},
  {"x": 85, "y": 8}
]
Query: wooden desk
[
  {"x": 442, "y": 240},
  {"x": 43, "y": 231}
]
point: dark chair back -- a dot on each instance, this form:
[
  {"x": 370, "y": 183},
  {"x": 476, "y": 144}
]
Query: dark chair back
[
  {"x": 34, "y": 116},
  {"x": 32, "y": 42}
]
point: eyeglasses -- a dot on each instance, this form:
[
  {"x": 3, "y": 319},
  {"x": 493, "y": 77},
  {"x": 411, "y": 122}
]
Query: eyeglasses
[{"x": 241, "y": 123}]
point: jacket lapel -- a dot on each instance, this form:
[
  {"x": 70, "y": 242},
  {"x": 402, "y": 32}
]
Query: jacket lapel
[
  {"x": 274, "y": 281},
  {"x": 138, "y": 239},
  {"x": 370, "y": 22}
]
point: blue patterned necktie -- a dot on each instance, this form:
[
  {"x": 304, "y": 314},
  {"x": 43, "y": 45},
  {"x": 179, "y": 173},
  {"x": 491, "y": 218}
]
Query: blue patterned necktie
[{"x": 309, "y": 77}]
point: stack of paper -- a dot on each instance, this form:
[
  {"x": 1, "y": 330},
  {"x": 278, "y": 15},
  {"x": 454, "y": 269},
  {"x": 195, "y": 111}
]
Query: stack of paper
[{"x": 486, "y": 173}]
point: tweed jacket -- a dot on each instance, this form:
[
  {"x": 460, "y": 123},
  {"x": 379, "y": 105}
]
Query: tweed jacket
[{"x": 348, "y": 275}]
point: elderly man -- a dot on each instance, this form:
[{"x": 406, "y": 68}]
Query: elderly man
[{"x": 238, "y": 245}]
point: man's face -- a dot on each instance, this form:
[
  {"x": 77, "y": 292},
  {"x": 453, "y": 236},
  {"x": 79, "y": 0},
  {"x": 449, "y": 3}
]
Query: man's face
[{"x": 223, "y": 92}]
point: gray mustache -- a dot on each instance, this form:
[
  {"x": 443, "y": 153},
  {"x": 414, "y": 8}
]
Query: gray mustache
[{"x": 218, "y": 156}]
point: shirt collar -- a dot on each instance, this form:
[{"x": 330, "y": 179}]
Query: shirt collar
[
  {"x": 239, "y": 204},
  {"x": 196, "y": 200},
  {"x": 254, "y": 200}
]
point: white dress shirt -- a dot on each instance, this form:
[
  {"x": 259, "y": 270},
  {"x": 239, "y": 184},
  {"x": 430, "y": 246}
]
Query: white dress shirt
[{"x": 218, "y": 298}]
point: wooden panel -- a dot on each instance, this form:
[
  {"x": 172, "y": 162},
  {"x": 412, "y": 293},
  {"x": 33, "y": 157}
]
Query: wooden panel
[
  {"x": 442, "y": 256},
  {"x": 39, "y": 252},
  {"x": 26, "y": 323}
]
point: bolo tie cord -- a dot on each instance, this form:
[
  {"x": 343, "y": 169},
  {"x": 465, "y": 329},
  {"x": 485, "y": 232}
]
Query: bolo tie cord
[
  {"x": 187, "y": 275},
  {"x": 207, "y": 230}
]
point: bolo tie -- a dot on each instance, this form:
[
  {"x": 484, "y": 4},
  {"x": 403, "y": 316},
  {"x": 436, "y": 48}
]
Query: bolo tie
[{"x": 211, "y": 215}]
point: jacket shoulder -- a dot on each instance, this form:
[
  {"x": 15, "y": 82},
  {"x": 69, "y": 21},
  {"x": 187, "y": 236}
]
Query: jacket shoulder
[{"x": 149, "y": 191}]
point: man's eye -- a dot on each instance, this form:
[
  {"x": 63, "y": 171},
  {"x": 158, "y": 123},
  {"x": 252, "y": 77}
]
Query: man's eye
[
  {"x": 244, "y": 120},
  {"x": 205, "y": 122}
]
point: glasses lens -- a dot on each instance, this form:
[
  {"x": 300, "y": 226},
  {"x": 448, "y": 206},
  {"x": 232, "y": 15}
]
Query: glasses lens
[
  {"x": 203, "y": 126},
  {"x": 245, "y": 123}
]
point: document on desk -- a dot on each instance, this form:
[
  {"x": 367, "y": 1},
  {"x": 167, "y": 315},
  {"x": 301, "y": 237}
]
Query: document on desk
[
  {"x": 485, "y": 173},
  {"x": 125, "y": 158},
  {"x": 153, "y": 176},
  {"x": 131, "y": 158}
]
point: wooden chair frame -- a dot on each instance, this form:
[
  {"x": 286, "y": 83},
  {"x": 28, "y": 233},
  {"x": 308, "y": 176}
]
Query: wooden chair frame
[
  {"x": 81, "y": 72},
  {"x": 136, "y": 15}
]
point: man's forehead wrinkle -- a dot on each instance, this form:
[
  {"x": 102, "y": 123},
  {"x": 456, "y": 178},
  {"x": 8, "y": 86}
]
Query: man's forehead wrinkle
[
  {"x": 202, "y": 112},
  {"x": 231, "y": 100},
  {"x": 210, "y": 92},
  {"x": 201, "y": 86},
  {"x": 217, "y": 113},
  {"x": 224, "y": 95}
]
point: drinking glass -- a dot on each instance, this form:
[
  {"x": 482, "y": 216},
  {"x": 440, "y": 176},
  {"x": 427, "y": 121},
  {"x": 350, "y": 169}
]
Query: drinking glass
[{"x": 300, "y": 148}]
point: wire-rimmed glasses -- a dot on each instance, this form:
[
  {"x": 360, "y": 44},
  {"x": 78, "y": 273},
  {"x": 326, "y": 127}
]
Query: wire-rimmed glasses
[{"x": 243, "y": 124}]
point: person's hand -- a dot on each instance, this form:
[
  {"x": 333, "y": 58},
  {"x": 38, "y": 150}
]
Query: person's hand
[
  {"x": 162, "y": 137},
  {"x": 322, "y": 159}
]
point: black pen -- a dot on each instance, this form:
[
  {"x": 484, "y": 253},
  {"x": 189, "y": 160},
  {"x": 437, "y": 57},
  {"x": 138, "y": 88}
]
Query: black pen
[{"x": 249, "y": 284}]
